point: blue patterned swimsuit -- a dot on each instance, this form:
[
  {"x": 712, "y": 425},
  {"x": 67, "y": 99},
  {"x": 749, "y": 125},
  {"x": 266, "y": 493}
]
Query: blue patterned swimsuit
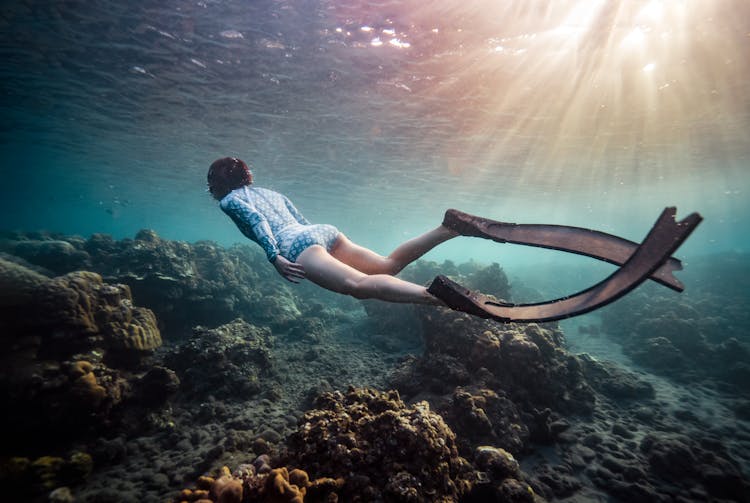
[{"x": 271, "y": 220}]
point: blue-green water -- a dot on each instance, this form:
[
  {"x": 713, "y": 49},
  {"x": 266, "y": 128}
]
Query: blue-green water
[{"x": 376, "y": 116}]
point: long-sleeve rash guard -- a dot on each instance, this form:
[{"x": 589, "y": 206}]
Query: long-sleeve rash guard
[{"x": 271, "y": 220}]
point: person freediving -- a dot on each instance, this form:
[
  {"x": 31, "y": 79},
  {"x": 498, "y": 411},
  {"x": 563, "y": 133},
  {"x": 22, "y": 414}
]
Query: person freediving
[
  {"x": 321, "y": 253},
  {"x": 317, "y": 252}
]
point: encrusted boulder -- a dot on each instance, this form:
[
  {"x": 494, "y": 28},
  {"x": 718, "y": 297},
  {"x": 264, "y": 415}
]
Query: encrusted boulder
[
  {"x": 82, "y": 312},
  {"x": 484, "y": 417},
  {"x": 230, "y": 361},
  {"x": 56, "y": 255},
  {"x": 17, "y": 284},
  {"x": 382, "y": 448}
]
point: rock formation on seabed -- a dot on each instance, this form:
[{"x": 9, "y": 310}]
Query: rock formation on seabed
[
  {"x": 690, "y": 338},
  {"x": 366, "y": 445},
  {"x": 232, "y": 361},
  {"x": 184, "y": 284},
  {"x": 517, "y": 388},
  {"x": 72, "y": 366}
]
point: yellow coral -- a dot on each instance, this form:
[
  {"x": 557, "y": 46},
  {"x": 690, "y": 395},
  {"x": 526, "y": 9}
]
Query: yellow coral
[
  {"x": 142, "y": 333},
  {"x": 80, "y": 369},
  {"x": 279, "y": 490},
  {"x": 82, "y": 301},
  {"x": 88, "y": 390},
  {"x": 299, "y": 478},
  {"x": 205, "y": 482},
  {"x": 80, "y": 466},
  {"x": 47, "y": 468}
]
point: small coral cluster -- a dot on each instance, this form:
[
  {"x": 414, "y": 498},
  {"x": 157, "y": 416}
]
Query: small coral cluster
[
  {"x": 381, "y": 447},
  {"x": 367, "y": 445},
  {"x": 21, "y": 476},
  {"x": 258, "y": 482}
]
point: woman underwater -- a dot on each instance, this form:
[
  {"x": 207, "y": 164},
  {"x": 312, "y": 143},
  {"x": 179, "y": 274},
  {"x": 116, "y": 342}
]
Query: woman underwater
[{"x": 318, "y": 252}]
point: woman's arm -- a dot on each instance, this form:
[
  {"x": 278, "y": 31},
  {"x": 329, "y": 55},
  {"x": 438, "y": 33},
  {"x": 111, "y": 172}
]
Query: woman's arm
[{"x": 252, "y": 224}]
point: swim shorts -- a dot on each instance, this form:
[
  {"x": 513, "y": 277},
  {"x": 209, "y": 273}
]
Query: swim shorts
[{"x": 293, "y": 245}]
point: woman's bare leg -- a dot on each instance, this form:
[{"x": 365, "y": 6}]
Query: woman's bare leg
[
  {"x": 369, "y": 262},
  {"x": 325, "y": 270}
]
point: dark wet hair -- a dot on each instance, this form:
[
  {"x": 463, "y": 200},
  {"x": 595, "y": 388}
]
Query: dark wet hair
[{"x": 227, "y": 174}]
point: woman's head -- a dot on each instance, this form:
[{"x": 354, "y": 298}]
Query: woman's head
[{"x": 227, "y": 174}]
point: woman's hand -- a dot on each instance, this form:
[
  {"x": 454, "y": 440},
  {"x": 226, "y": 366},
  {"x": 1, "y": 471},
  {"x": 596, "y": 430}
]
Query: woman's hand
[{"x": 290, "y": 270}]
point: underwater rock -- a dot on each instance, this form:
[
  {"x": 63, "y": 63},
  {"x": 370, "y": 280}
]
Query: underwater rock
[
  {"x": 681, "y": 332},
  {"x": 483, "y": 417},
  {"x": 678, "y": 459},
  {"x": 157, "y": 386},
  {"x": 490, "y": 280},
  {"x": 83, "y": 313},
  {"x": 17, "y": 284},
  {"x": 382, "y": 448},
  {"x": 307, "y": 329},
  {"x": 394, "y": 327},
  {"x": 658, "y": 353},
  {"x": 231, "y": 361},
  {"x": 528, "y": 363},
  {"x": 56, "y": 255},
  {"x": 614, "y": 381},
  {"x": 701, "y": 334}
]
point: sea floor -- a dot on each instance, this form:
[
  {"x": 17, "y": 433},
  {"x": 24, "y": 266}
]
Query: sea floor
[{"x": 593, "y": 409}]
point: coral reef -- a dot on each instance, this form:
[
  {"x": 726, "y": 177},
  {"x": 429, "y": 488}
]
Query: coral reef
[
  {"x": 260, "y": 483},
  {"x": 688, "y": 338},
  {"x": 74, "y": 346},
  {"x": 17, "y": 284},
  {"x": 184, "y": 285},
  {"x": 23, "y": 478},
  {"x": 87, "y": 389},
  {"x": 516, "y": 372},
  {"x": 385, "y": 450},
  {"x": 232, "y": 361},
  {"x": 83, "y": 312},
  {"x": 55, "y": 254}
]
